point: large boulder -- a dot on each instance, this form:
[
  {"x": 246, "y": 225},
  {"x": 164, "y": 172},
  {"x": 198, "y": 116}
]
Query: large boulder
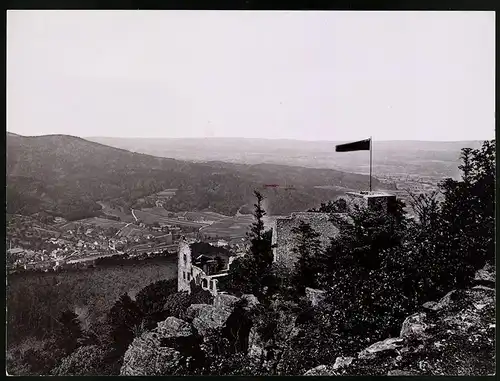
[
  {"x": 445, "y": 302},
  {"x": 171, "y": 346},
  {"x": 485, "y": 276},
  {"x": 414, "y": 326},
  {"x": 381, "y": 346},
  {"x": 225, "y": 301},
  {"x": 342, "y": 362},
  {"x": 152, "y": 353},
  {"x": 329, "y": 370},
  {"x": 206, "y": 318},
  {"x": 321, "y": 370}
]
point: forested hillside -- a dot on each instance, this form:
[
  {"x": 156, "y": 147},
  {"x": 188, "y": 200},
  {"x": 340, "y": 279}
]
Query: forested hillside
[{"x": 67, "y": 175}]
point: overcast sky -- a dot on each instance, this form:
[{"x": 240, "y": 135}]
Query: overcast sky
[{"x": 297, "y": 75}]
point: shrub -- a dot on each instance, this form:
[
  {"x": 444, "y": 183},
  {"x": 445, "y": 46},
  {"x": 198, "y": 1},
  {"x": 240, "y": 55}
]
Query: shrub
[{"x": 85, "y": 361}]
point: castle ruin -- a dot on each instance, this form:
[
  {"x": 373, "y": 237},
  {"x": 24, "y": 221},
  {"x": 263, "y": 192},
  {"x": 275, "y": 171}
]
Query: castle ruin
[
  {"x": 202, "y": 270},
  {"x": 283, "y": 239}
]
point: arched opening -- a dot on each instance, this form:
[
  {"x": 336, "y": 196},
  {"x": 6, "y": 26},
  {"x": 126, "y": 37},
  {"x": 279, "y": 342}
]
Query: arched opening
[{"x": 204, "y": 283}]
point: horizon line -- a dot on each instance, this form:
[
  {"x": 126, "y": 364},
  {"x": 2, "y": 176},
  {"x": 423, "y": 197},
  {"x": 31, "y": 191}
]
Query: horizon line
[{"x": 246, "y": 138}]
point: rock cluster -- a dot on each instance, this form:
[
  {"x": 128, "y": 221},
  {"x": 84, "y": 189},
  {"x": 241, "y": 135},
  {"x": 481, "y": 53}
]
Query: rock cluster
[
  {"x": 162, "y": 351},
  {"x": 454, "y": 336},
  {"x": 148, "y": 356}
]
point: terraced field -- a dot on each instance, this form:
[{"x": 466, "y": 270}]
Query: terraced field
[
  {"x": 150, "y": 218},
  {"x": 231, "y": 227},
  {"x": 107, "y": 209},
  {"x": 94, "y": 221},
  {"x": 204, "y": 216}
]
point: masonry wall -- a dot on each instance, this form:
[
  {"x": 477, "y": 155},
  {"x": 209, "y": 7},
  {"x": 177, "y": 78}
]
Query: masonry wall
[
  {"x": 187, "y": 272},
  {"x": 384, "y": 202},
  {"x": 284, "y": 238},
  {"x": 184, "y": 267}
]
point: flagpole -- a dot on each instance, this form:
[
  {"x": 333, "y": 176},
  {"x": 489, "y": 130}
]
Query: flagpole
[{"x": 371, "y": 163}]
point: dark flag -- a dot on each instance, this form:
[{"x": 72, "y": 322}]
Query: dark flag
[{"x": 362, "y": 145}]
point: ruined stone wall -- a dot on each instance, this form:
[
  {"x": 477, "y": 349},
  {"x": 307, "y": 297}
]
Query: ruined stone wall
[
  {"x": 184, "y": 267},
  {"x": 284, "y": 238},
  {"x": 187, "y": 272},
  {"x": 373, "y": 201}
]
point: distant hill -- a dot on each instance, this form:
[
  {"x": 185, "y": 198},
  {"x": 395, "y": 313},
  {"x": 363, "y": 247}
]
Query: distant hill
[
  {"x": 426, "y": 158},
  {"x": 66, "y": 175}
]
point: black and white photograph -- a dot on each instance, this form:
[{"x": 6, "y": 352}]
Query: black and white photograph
[{"x": 250, "y": 193}]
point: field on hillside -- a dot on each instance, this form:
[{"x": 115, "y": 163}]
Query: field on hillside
[
  {"x": 116, "y": 212},
  {"x": 35, "y": 299},
  {"x": 167, "y": 193},
  {"x": 94, "y": 221},
  {"x": 150, "y": 218},
  {"x": 232, "y": 227},
  {"x": 158, "y": 211},
  {"x": 203, "y": 216}
]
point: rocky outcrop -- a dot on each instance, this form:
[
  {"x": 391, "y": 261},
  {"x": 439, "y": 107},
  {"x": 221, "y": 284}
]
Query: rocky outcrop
[
  {"x": 174, "y": 343},
  {"x": 323, "y": 370},
  {"x": 225, "y": 301},
  {"x": 454, "y": 336},
  {"x": 205, "y": 317},
  {"x": 153, "y": 353},
  {"x": 485, "y": 276},
  {"x": 381, "y": 346}
]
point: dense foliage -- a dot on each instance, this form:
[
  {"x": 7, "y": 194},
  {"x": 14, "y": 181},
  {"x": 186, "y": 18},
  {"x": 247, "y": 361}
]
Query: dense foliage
[
  {"x": 308, "y": 250},
  {"x": 380, "y": 269},
  {"x": 35, "y": 300}
]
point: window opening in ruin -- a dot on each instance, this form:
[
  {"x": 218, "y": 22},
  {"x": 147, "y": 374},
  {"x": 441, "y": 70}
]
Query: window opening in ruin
[{"x": 204, "y": 283}]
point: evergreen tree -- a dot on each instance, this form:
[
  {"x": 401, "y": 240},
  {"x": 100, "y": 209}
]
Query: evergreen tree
[
  {"x": 257, "y": 227},
  {"x": 308, "y": 249},
  {"x": 151, "y": 301},
  {"x": 468, "y": 212},
  {"x": 68, "y": 332},
  {"x": 260, "y": 240},
  {"x": 123, "y": 319},
  {"x": 252, "y": 273}
]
